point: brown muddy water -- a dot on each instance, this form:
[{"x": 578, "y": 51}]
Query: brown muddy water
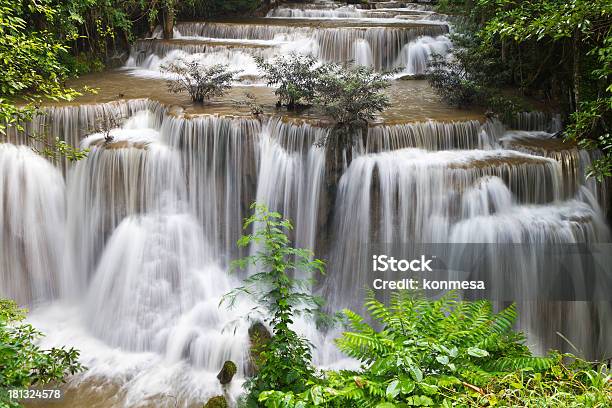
[{"x": 411, "y": 100}]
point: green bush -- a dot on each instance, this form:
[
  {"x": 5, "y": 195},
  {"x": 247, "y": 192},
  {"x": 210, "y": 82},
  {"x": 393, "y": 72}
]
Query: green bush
[
  {"x": 284, "y": 362},
  {"x": 352, "y": 95},
  {"x": 442, "y": 353},
  {"x": 295, "y": 76},
  {"x": 23, "y": 364},
  {"x": 557, "y": 51},
  {"x": 199, "y": 81}
]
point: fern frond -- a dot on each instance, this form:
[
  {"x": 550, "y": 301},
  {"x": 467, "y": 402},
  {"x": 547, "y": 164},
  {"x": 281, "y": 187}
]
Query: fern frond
[
  {"x": 521, "y": 363},
  {"x": 362, "y": 346},
  {"x": 504, "y": 320}
]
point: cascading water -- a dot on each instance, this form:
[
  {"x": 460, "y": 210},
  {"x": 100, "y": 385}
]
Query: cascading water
[
  {"x": 155, "y": 211},
  {"x": 382, "y": 39},
  {"x": 415, "y": 55},
  {"x": 32, "y": 211},
  {"x": 127, "y": 259}
]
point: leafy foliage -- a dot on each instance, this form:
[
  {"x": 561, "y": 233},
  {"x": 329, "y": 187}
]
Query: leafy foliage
[
  {"x": 200, "y": 81},
  {"x": 30, "y": 62},
  {"x": 585, "y": 26},
  {"x": 352, "y": 95},
  {"x": 589, "y": 127},
  {"x": 58, "y": 149},
  {"x": 556, "y": 50},
  {"x": 285, "y": 361},
  {"x": 562, "y": 386},
  {"x": 443, "y": 353},
  {"x": 212, "y": 8},
  {"x": 453, "y": 82},
  {"x": 23, "y": 364},
  {"x": 295, "y": 77}
]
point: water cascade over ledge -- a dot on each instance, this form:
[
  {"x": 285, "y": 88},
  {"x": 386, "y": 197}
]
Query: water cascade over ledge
[{"x": 126, "y": 254}]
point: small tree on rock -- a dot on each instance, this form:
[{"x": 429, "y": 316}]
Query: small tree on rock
[
  {"x": 351, "y": 97},
  {"x": 284, "y": 362},
  {"x": 296, "y": 77},
  {"x": 200, "y": 81}
]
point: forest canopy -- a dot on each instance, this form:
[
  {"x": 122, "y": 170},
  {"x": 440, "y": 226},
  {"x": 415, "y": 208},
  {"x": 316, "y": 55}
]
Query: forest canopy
[
  {"x": 558, "y": 51},
  {"x": 42, "y": 43}
]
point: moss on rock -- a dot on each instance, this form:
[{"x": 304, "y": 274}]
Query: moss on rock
[
  {"x": 227, "y": 372},
  {"x": 217, "y": 402}
]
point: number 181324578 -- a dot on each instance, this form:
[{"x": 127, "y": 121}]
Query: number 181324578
[{"x": 35, "y": 394}]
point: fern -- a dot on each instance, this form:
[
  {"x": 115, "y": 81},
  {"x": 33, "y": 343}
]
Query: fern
[{"x": 444, "y": 352}]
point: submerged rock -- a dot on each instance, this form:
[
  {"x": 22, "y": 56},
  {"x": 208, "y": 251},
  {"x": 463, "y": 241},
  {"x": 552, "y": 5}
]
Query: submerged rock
[
  {"x": 413, "y": 77},
  {"x": 227, "y": 372},
  {"x": 217, "y": 402}
]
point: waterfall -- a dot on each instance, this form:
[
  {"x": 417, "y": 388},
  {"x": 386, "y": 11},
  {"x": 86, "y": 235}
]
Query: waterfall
[
  {"x": 219, "y": 160},
  {"x": 515, "y": 241},
  {"x": 126, "y": 254},
  {"x": 331, "y": 44},
  {"x": 430, "y": 135},
  {"x": 574, "y": 161},
  {"x": 541, "y": 121},
  {"x": 154, "y": 273},
  {"x": 155, "y": 210},
  {"x": 416, "y": 54},
  {"x": 32, "y": 212},
  {"x": 291, "y": 175},
  {"x": 363, "y": 54},
  {"x": 410, "y": 195},
  {"x": 338, "y": 12},
  {"x": 130, "y": 175},
  {"x": 72, "y": 123}
]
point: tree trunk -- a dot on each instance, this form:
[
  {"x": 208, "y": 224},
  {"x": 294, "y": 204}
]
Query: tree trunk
[
  {"x": 169, "y": 21},
  {"x": 577, "y": 81}
]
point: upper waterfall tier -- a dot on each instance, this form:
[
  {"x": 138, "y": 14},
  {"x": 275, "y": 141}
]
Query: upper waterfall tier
[
  {"x": 73, "y": 123},
  {"x": 353, "y": 11},
  {"x": 383, "y": 44},
  {"x": 331, "y": 40}
]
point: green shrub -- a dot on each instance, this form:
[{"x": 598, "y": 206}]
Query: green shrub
[
  {"x": 452, "y": 82},
  {"x": 23, "y": 364},
  {"x": 440, "y": 353},
  {"x": 284, "y": 362},
  {"x": 295, "y": 76},
  {"x": 352, "y": 95},
  {"x": 199, "y": 81}
]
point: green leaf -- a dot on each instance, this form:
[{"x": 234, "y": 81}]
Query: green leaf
[
  {"x": 407, "y": 386},
  {"x": 416, "y": 372},
  {"x": 392, "y": 389},
  {"x": 476, "y": 352}
]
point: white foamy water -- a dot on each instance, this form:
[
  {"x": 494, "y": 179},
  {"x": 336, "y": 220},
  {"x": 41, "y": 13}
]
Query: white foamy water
[
  {"x": 396, "y": 43},
  {"x": 32, "y": 215},
  {"x": 155, "y": 211},
  {"x": 416, "y": 55},
  {"x": 127, "y": 260},
  {"x": 144, "y": 284}
]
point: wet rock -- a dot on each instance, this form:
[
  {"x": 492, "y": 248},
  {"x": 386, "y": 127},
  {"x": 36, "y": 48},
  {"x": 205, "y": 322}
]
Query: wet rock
[
  {"x": 227, "y": 372},
  {"x": 259, "y": 336},
  {"x": 217, "y": 402},
  {"x": 413, "y": 77}
]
